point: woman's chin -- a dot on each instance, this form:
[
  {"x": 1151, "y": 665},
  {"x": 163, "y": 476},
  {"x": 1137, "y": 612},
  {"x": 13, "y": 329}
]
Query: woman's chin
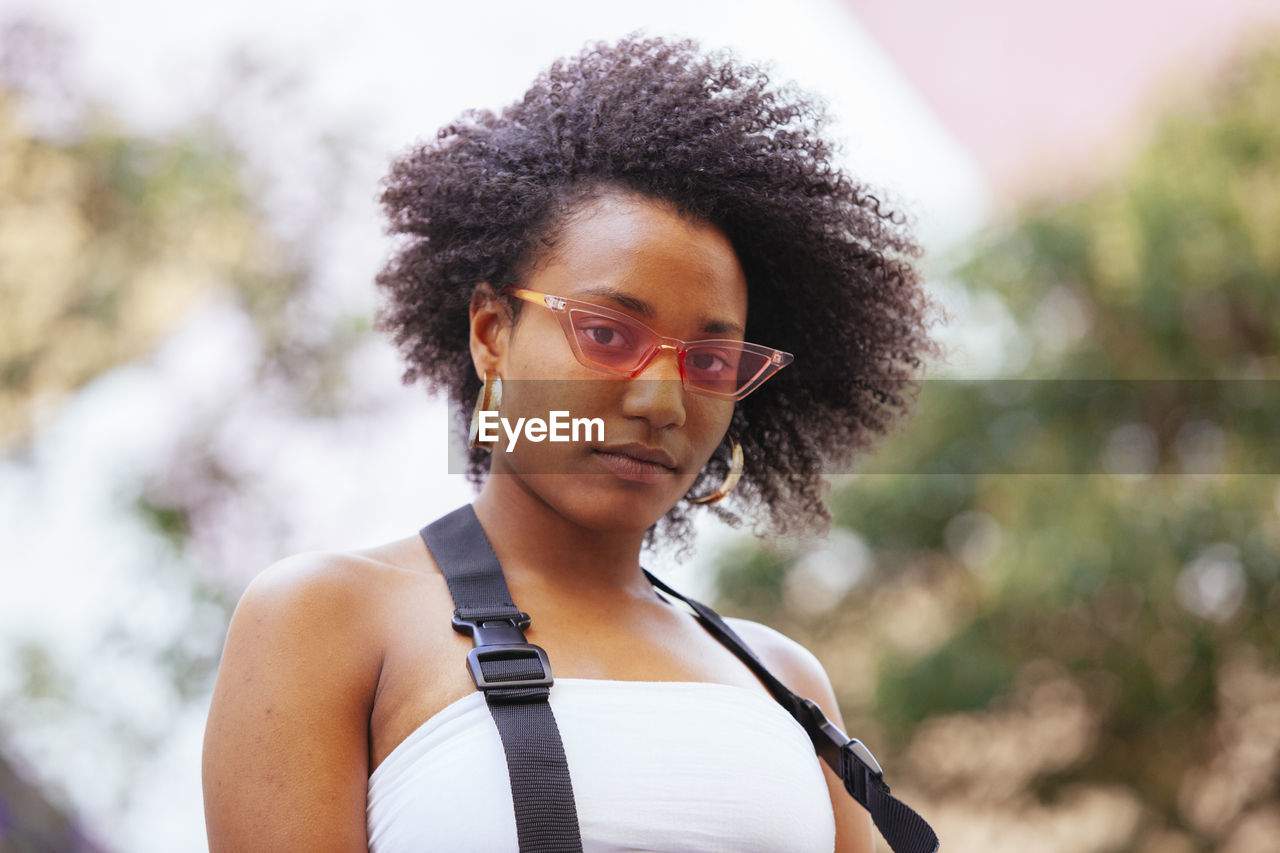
[{"x": 604, "y": 502}]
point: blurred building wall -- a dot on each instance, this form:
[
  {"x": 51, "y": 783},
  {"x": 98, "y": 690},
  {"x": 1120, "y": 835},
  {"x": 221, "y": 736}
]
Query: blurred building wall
[{"x": 1040, "y": 92}]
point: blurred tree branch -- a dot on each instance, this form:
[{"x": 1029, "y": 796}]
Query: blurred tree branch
[
  {"x": 107, "y": 241},
  {"x": 112, "y": 239}
]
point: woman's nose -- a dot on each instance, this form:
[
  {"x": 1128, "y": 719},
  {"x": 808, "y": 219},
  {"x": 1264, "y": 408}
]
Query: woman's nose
[{"x": 657, "y": 392}]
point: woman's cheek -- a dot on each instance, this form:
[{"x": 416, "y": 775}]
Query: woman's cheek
[{"x": 546, "y": 423}]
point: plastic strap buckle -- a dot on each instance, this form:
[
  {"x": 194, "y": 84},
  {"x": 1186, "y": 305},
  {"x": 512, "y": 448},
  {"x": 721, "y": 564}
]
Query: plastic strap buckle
[
  {"x": 849, "y": 757},
  {"x": 480, "y": 655},
  {"x": 860, "y": 772},
  {"x": 500, "y": 640},
  {"x": 859, "y": 749},
  {"x": 504, "y": 629}
]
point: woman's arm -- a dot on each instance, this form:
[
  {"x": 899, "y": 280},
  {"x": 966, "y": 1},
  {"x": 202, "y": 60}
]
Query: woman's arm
[
  {"x": 286, "y": 761},
  {"x": 797, "y": 668}
]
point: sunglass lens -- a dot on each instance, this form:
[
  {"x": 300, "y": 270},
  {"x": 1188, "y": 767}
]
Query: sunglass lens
[
  {"x": 722, "y": 369},
  {"x": 609, "y": 343}
]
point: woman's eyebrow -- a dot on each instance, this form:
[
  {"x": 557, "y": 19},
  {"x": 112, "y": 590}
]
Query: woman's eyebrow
[
  {"x": 644, "y": 309},
  {"x": 720, "y": 327},
  {"x": 638, "y": 306}
]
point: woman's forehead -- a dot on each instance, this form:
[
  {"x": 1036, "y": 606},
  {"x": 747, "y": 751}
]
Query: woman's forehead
[{"x": 643, "y": 251}]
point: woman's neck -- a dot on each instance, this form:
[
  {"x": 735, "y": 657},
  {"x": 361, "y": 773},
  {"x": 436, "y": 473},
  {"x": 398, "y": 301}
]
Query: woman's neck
[{"x": 539, "y": 546}]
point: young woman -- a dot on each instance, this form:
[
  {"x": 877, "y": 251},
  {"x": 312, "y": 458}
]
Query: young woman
[{"x": 646, "y": 239}]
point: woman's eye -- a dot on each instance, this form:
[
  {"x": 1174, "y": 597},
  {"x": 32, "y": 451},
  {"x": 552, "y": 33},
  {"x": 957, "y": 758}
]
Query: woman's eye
[
  {"x": 709, "y": 363},
  {"x": 606, "y": 336}
]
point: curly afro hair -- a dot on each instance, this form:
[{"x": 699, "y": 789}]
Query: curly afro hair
[{"x": 830, "y": 271}]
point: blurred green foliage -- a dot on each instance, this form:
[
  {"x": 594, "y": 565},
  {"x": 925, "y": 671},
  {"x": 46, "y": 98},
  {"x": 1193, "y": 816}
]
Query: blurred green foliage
[
  {"x": 1153, "y": 593},
  {"x": 1174, "y": 266}
]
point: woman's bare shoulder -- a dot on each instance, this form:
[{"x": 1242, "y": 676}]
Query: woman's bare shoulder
[
  {"x": 803, "y": 673},
  {"x": 320, "y": 608},
  {"x": 295, "y": 689},
  {"x": 316, "y": 583},
  {"x": 790, "y": 661}
]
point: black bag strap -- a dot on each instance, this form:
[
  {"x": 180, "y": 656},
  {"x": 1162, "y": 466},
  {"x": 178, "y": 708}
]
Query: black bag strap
[
  {"x": 515, "y": 677},
  {"x": 900, "y": 825}
]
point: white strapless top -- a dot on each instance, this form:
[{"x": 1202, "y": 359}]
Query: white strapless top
[{"x": 656, "y": 766}]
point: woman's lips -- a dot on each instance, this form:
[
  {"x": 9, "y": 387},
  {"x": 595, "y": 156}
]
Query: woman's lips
[{"x": 624, "y": 464}]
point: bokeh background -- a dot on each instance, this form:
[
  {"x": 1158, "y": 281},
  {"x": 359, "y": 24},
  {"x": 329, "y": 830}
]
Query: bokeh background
[{"x": 1057, "y": 625}]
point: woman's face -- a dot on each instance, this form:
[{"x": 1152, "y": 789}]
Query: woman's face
[{"x": 680, "y": 278}]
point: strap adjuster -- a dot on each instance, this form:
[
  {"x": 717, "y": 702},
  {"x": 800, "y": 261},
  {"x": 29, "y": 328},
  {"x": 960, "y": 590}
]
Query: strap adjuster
[
  {"x": 832, "y": 743},
  {"x": 481, "y": 655},
  {"x": 860, "y": 772},
  {"x": 858, "y": 748},
  {"x": 500, "y": 640},
  {"x": 486, "y": 630}
]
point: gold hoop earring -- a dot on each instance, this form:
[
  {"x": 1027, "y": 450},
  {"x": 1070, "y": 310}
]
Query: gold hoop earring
[
  {"x": 489, "y": 400},
  {"x": 730, "y": 481}
]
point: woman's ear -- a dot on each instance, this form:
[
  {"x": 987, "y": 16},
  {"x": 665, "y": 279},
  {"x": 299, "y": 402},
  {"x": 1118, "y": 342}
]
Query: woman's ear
[{"x": 490, "y": 331}]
